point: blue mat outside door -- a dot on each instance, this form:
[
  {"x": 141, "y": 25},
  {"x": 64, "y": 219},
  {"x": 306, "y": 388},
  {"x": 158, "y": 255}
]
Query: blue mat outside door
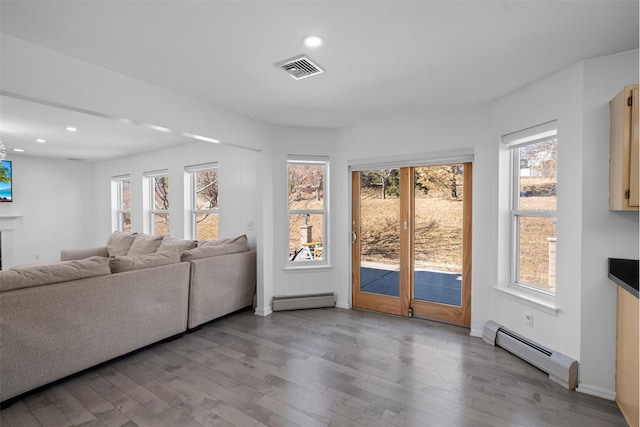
[{"x": 444, "y": 288}]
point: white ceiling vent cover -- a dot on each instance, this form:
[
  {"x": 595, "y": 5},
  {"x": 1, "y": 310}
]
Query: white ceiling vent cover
[{"x": 300, "y": 67}]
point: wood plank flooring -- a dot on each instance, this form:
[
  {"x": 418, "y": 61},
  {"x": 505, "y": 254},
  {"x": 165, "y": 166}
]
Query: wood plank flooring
[{"x": 325, "y": 367}]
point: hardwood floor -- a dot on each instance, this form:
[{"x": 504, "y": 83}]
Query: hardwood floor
[{"x": 314, "y": 368}]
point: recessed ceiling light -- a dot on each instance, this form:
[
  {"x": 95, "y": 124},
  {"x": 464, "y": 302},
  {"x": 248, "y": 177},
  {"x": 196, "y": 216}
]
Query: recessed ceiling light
[
  {"x": 18, "y": 150},
  {"x": 312, "y": 41},
  {"x": 41, "y": 141},
  {"x": 71, "y": 129}
]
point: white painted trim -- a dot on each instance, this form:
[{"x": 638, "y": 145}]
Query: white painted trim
[
  {"x": 596, "y": 391},
  {"x": 345, "y": 306},
  {"x": 477, "y": 333},
  {"x": 461, "y": 155},
  {"x": 309, "y": 268},
  {"x": 526, "y": 299},
  {"x": 264, "y": 312},
  {"x": 7, "y": 226}
]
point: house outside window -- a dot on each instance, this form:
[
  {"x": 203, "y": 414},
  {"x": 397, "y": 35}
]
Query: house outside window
[
  {"x": 308, "y": 185},
  {"x": 534, "y": 201},
  {"x": 123, "y": 202},
  {"x": 159, "y": 201},
  {"x": 204, "y": 201}
]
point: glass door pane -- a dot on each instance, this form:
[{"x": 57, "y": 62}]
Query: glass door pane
[
  {"x": 438, "y": 234},
  {"x": 380, "y": 232}
]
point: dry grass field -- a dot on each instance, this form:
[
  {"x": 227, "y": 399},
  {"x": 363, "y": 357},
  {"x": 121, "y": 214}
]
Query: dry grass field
[{"x": 438, "y": 230}]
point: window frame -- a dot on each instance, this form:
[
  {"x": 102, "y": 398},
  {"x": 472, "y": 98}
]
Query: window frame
[
  {"x": 119, "y": 212},
  {"x": 192, "y": 171},
  {"x": 515, "y": 141},
  {"x": 151, "y": 176},
  {"x": 310, "y": 263}
]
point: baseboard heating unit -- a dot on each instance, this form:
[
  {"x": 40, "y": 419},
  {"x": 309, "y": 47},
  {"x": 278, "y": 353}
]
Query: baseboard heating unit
[
  {"x": 299, "y": 302},
  {"x": 561, "y": 369}
]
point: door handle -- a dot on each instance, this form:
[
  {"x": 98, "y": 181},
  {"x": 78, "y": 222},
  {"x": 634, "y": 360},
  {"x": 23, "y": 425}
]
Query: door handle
[{"x": 354, "y": 237}]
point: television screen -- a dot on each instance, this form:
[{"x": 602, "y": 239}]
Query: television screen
[{"x": 6, "y": 187}]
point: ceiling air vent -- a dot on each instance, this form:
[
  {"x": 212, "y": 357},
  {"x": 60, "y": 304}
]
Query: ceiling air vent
[{"x": 300, "y": 67}]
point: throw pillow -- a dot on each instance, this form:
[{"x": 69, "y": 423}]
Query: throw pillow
[
  {"x": 118, "y": 264},
  {"x": 119, "y": 242},
  {"x": 171, "y": 242},
  {"x": 145, "y": 244},
  {"x": 24, "y": 277}
]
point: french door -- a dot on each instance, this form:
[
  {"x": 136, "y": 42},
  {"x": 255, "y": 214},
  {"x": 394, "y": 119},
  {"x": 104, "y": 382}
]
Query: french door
[{"x": 411, "y": 241}]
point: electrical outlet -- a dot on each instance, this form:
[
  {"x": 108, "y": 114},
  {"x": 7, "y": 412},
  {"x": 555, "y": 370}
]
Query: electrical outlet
[
  {"x": 37, "y": 257},
  {"x": 528, "y": 320},
  {"x": 250, "y": 225}
]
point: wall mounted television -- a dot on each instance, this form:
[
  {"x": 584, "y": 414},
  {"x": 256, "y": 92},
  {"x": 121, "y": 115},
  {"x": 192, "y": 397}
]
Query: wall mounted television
[{"x": 6, "y": 181}]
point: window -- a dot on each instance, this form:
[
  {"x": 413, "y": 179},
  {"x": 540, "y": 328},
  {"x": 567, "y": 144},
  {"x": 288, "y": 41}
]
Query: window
[
  {"x": 307, "y": 206},
  {"x": 204, "y": 201},
  {"x": 534, "y": 203},
  {"x": 159, "y": 201},
  {"x": 123, "y": 202}
]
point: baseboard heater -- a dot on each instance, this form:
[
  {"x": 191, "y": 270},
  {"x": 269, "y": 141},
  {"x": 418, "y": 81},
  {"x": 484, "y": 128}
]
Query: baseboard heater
[
  {"x": 561, "y": 369},
  {"x": 299, "y": 302}
]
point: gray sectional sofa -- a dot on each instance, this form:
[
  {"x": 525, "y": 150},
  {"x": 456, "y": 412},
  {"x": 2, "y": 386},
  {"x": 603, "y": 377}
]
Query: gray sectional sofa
[{"x": 101, "y": 303}]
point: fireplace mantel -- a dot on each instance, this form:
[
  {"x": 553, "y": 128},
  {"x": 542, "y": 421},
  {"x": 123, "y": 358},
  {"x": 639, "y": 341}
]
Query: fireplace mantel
[{"x": 7, "y": 222}]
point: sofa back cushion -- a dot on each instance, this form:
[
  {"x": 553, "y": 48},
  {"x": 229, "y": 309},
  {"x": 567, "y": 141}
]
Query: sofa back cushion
[
  {"x": 24, "y": 277},
  {"x": 144, "y": 244},
  {"x": 171, "y": 242},
  {"x": 119, "y": 264},
  {"x": 120, "y": 242},
  {"x": 233, "y": 246},
  {"x": 239, "y": 241}
]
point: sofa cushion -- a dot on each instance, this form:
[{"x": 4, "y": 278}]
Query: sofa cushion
[
  {"x": 24, "y": 277},
  {"x": 120, "y": 242},
  {"x": 240, "y": 240},
  {"x": 230, "y": 247},
  {"x": 171, "y": 242},
  {"x": 118, "y": 264},
  {"x": 145, "y": 244}
]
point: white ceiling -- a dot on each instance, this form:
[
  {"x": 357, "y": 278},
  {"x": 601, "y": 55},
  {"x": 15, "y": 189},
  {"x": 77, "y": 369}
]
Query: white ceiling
[{"x": 383, "y": 59}]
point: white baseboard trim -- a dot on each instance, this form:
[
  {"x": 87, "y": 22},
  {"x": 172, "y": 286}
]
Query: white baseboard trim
[
  {"x": 343, "y": 305},
  {"x": 263, "y": 311},
  {"x": 596, "y": 391},
  {"x": 476, "y": 333}
]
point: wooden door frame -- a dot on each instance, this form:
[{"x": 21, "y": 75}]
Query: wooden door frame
[
  {"x": 367, "y": 300},
  {"x": 401, "y": 305},
  {"x": 448, "y": 313}
]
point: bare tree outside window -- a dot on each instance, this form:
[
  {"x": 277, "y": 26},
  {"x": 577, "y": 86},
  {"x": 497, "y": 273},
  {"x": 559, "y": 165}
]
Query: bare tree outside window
[
  {"x": 306, "y": 202},
  {"x": 160, "y": 211},
  {"x": 205, "y": 203},
  {"x": 124, "y": 204}
]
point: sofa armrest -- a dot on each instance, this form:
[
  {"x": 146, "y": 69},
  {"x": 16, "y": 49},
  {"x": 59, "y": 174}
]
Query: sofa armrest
[
  {"x": 221, "y": 285},
  {"x": 82, "y": 253}
]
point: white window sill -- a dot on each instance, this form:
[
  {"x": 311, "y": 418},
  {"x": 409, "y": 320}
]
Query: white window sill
[
  {"x": 541, "y": 304},
  {"x": 309, "y": 268}
]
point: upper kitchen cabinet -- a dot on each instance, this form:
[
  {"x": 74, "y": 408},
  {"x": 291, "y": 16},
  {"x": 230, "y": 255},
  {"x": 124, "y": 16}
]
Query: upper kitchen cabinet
[{"x": 623, "y": 161}]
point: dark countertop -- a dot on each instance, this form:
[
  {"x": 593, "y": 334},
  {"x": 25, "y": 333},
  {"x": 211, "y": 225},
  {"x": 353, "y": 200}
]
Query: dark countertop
[{"x": 625, "y": 273}]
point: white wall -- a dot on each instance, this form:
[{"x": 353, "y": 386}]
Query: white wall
[
  {"x": 604, "y": 233},
  {"x": 558, "y": 97},
  {"x": 237, "y": 188},
  {"x": 55, "y": 200},
  {"x": 588, "y": 233},
  {"x": 302, "y": 141}
]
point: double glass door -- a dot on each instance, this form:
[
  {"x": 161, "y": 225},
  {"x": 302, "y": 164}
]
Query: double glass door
[{"x": 411, "y": 241}]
